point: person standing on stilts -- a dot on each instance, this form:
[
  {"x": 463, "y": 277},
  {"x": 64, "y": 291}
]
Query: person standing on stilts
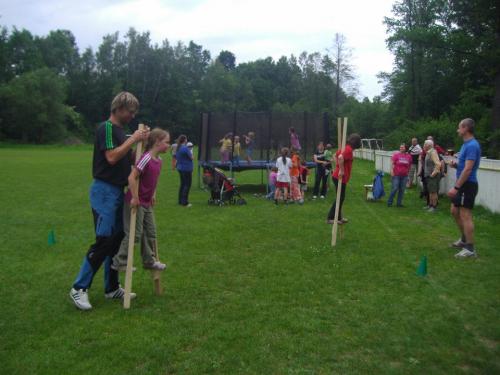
[
  {"x": 112, "y": 162},
  {"x": 343, "y": 167}
]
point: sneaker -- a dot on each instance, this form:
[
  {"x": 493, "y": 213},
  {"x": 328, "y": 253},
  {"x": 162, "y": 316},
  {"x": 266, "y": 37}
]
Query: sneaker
[
  {"x": 459, "y": 244},
  {"x": 315, "y": 196},
  {"x": 431, "y": 209},
  {"x": 158, "y": 266},
  {"x": 426, "y": 207},
  {"x": 322, "y": 197},
  {"x": 80, "y": 298},
  {"x": 301, "y": 201},
  {"x": 118, "y": 294},
  {"x": 464, "y": 253},
  {"x": 189, "y": 205},
  {"x": 344, "y": 221}
]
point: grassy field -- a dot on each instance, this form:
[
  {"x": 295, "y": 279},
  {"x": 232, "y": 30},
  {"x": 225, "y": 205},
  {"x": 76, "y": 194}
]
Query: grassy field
[{"x": 250, "y": 289}]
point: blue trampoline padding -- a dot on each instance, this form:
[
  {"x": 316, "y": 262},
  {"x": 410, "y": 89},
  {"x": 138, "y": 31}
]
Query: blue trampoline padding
[{"x": 244, "y": 165}]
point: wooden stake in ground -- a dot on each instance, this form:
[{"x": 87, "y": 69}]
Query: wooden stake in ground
[
  {"x": 157, "y": 273},
  {"x": 131, "y": 239},
  {"x": 342, "y": 134}
]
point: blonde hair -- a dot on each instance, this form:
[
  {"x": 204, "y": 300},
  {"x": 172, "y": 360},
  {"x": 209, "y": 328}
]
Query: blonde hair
[
  {"x": 125, "y": 100},
  {"x": 155, "y": 135}
]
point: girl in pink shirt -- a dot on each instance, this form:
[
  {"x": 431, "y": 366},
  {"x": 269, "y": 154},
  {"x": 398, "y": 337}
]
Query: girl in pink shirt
[{"x": 141, "y": 194}]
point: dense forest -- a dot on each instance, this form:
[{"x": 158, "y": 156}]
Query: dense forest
[{"x": 446, "y": 67}]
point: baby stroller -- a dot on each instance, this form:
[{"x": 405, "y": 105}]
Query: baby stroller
[{"x": 222, "y": 189}]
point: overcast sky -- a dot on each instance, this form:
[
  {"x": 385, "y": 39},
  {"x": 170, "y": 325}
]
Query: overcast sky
[{"x": 250, "y": 29}]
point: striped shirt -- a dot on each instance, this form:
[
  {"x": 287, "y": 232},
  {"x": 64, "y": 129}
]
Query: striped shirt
[{"x": 149, "y": 170}]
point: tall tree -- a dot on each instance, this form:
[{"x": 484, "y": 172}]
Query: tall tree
[
  {"x": 343, "y": 69},
  {"x": 35, "y": 109}
]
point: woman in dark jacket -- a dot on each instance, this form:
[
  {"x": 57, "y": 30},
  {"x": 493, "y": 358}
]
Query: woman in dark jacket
[{"x": 184, "y": 159}]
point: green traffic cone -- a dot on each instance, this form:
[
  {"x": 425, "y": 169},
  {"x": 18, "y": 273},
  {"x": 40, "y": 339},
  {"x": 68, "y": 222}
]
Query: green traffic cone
[
  {"x": 52, "y": 238},
  {"x": 422, "y": 267}
]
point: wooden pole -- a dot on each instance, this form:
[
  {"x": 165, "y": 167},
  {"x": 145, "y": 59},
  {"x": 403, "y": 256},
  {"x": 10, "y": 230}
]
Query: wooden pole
[
  {"x": 339, "y": 133},
  {"x": 156, "y": 273},
  {"x": 342, "y": 132},
  {"x": 131, "y": 239}
]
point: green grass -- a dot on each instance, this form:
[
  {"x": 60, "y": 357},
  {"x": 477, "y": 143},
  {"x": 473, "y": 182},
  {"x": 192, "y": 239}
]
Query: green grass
[{"x": 250, "y": 289}]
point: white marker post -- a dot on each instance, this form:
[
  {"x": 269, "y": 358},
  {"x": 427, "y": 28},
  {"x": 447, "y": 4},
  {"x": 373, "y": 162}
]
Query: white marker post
[
  {"x": 342, "y": 134},
  {"x": 131, "y": 238}
]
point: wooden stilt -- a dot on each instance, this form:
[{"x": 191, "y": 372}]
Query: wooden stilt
[
  {"x": 156, "y": 274},
  {"x": 131, "y": 239},
  {"x": 342, "y": 133}
]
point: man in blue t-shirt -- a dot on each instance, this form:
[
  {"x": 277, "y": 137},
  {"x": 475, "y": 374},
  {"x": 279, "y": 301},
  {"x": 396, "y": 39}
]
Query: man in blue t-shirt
[{"x": 465, "y": 190}]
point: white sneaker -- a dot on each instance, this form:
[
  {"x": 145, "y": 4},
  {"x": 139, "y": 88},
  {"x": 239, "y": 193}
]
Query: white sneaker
[
  {"x": 322, "y": 197},
  {"x": 464, "y": 253},
  {"x": 80, "y": 298},
  {"x": 459, "y": 244},
  {"x": 431, "y": 209},
  {"x": 155, "y": 266},
  {"x": 118, "y": 294},
  {"x": 315, "y": 196}
]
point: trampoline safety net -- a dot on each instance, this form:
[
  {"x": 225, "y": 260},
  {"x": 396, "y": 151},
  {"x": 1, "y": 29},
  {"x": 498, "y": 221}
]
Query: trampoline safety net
[{"x": 268, "y": 131}]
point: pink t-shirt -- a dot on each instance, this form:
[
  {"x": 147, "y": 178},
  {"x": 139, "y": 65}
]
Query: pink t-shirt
[
  {"x": 402, "y": 163},
  {"x": 294, "y": 141},
  {"x": 149, "y": 170},
  {"x": 273, "y": 176}
]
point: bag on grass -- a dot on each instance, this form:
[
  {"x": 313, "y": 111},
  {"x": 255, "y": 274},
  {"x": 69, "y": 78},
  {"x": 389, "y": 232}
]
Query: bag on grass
[{"x": 378, "y": 186}]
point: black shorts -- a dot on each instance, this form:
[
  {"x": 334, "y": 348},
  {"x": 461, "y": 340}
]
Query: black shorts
[{"x": 466, "y": 195}]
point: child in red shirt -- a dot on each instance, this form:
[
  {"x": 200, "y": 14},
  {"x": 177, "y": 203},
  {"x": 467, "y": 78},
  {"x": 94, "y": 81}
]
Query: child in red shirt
[
  {"x": 343, "y": 168},
  {"x": 294, "y": 175},
  {"x": 304, "y": 172}
]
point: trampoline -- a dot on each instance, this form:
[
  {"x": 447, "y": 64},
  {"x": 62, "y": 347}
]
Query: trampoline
[{"x": 269, "y": 132}]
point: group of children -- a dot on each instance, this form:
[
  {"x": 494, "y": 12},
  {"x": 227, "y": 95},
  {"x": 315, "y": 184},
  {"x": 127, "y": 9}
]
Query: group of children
[
  {"x": 227, "y": 146},
  {"x": 230, "y": 146},
  {"x": 288, "y": 179}
]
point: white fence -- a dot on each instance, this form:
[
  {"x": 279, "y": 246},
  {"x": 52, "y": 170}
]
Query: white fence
[{"x": 488, "y": 176}]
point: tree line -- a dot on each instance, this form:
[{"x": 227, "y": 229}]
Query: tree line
[
  {"x": 48, "y": 89},
  {"x": 446, "y": 67}
]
